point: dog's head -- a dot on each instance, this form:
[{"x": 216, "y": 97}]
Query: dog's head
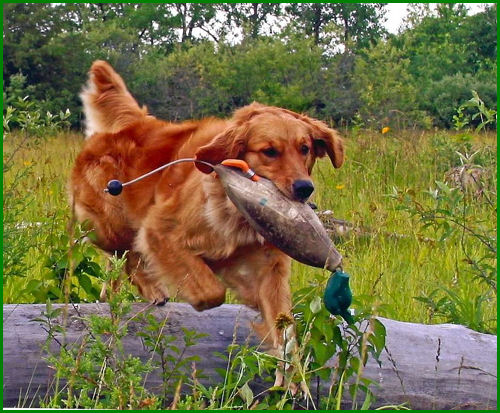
[{"x": 277, "y": 144}]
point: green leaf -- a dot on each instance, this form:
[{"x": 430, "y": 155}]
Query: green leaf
[
  {"x": 222, "y": 372},
  {"x": 93, "y": 269},
  {"x": 315, "y": 305},
  {"x": 378, "y": 337},
  {"x": 32, "y": 286},
  {"x": 367, "y": 402},
  {"x": 354, "y": 362},
  {"x": 86, "y": 284},
  {"x": 323, "y": 352},
  {"x": 246, "y": 394},
  {"x": 324, "y": 373}
]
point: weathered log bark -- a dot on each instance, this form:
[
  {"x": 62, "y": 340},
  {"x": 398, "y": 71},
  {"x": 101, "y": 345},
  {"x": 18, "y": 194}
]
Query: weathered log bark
[{"x": 427, "y": 366}]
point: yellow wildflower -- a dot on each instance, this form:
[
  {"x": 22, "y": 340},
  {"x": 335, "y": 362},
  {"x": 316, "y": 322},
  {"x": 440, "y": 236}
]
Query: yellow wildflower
[
  {"x": 340, "y": 186},
  {"x": 385, "y": 129}
]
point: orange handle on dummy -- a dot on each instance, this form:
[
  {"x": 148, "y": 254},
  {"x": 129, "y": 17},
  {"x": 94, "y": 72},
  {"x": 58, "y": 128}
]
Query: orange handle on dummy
[{"x": 240, "y": 164}]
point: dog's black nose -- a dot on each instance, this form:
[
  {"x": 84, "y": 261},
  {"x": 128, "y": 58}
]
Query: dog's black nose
[{"x": 302, "y": 189}]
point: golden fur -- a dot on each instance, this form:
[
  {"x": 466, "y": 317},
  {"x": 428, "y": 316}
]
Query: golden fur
[{"x": 183, "y": 234}]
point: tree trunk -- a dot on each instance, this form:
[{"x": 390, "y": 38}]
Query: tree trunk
[
  {"x": 317, "y": 22},
  {"x": 427, "y": 366},
  {"x": 254, "y": 21}
]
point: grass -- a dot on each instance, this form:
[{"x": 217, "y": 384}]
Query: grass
[{"x": 392, "y": 270}]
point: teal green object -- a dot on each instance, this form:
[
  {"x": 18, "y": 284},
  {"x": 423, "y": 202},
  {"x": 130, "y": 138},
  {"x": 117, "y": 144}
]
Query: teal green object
[{"x": 338, "y": 295}]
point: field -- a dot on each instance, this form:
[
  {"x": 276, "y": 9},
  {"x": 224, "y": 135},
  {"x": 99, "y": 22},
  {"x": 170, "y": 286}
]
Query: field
[{"x": 385, "y": 187}]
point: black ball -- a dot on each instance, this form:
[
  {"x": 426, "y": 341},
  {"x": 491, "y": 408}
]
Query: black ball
[{"x": 115, "y": 187}]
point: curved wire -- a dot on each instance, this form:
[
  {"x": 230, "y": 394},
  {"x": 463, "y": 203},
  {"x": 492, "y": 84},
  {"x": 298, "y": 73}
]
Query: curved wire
[{"x": 166, "y": 166}]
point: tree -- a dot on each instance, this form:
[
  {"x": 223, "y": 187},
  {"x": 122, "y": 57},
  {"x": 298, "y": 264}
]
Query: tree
[
  {"x": 196, "y": 16},
  {"x": 153, "y": 25},
  {"x": 26, "y": 32},
  {"x": 415, "y": 13},
  {"x": 250, "y": 17},
  {"x": 357, "y": 25},
  {"x": 361, "y": 23},
  {"x": 480, "y": 33},
  {"x": 386, "y": 89}
]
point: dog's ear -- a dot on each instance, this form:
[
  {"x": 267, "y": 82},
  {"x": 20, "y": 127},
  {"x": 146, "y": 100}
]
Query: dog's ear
[
  {"x": 228, "y": 144},
  {"x": 326, "y": 141}
]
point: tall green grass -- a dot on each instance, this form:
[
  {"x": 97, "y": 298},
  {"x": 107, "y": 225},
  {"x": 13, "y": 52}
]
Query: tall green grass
[
  {"x": 411, "y": 263},
  {"x": 392, "y": 269}
]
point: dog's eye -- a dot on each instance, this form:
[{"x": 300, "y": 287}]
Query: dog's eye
[
  {"x": 304, "y": 149},
  {"x": 270, "y": 152}
]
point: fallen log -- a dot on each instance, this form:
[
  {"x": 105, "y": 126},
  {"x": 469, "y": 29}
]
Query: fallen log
[{"x": 426, "y": 366}]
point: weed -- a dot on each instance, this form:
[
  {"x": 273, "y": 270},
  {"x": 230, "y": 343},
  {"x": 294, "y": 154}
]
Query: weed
[
  {"x": 96, "y": 371},
  {"x": 450, "y": 218},
  {"x": 172, "y": 361},
  {"x": 482, "y": 115},
  {"x": 47, "y": 238}
]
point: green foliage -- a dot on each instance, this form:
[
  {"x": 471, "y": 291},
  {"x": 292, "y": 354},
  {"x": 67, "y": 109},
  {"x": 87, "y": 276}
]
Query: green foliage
[
  {"x": 62, "y": 259},
  {"x": 250, "y": 17},
  {"x": 322, "y": 336},
  {"x": 203, "y": 81},
  {"x": 96, "y": 371},
  {"x": 354, "y": 25},
  {"x": 446, "y": 60},
  {"x": 450, "y": 219},
  {"x": 69, "y": 266},
  {"x": 171, "y": 360},
  {"x": 306, "y": 358},
  {"x": 385, "y": 87},
  {"x": 27, "y": 114},
  {"x": 300, "y": 56},
  {"x": 483, "y": 114},
  {"x": 459, "y": 308},
  {"x": 19, "y": 237},
  {"x": 443, "y": 97}
]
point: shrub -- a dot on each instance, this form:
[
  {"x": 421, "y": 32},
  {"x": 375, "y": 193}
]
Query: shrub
[
  {"x": 449, "y": 216},
  {"x": 98, "y": 373},
  {"x": 208, "y": 79},
  {"x": 442, "y": 98},
  {"x": 386, "y": 89}
]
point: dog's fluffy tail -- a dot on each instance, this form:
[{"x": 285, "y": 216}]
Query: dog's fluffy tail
[{"x": 107, "y": 104}]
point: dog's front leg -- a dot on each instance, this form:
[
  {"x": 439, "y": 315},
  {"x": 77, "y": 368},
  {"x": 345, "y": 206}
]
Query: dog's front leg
[
  {"x": 170, "y": 265},
  {"x": 274, "y": 302},
  {"x": 260, "y": 275}
]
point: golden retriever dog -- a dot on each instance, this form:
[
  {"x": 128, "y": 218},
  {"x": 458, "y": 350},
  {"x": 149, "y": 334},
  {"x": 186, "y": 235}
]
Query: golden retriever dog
[{"x": 183, "y": 235}]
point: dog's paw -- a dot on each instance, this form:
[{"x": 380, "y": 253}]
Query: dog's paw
[
  {"x": 156, "y": 294},
  {"x": 207, "y": 298}
]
